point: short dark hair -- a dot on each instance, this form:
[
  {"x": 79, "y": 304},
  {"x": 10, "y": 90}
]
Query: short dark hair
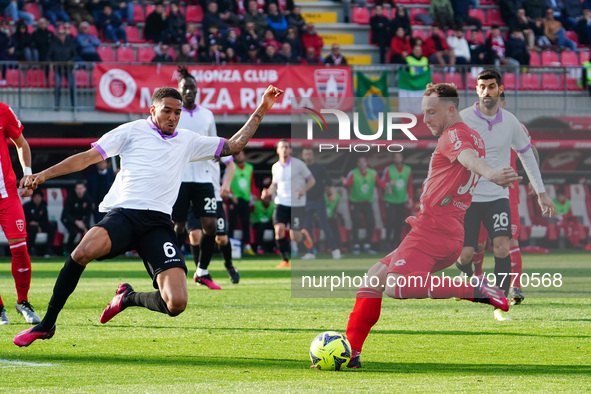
[
  {"x": 184, "y": 74},
  {"x": 447, "y": 91},
  {"x": 162, "y": 93},
  {"x": 283, "y": 140},
  {"x": 490, "y": 73},
  {"x": 80, "y": 182}
]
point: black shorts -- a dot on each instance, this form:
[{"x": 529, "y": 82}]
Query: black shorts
[
  {"x": 495, "y": 215},
  {"x": 194, "y": 223},
  {"x": 150, "y": 233},
  {"x": 200, "y": 195},
  {"x": 293, "y": 215}
]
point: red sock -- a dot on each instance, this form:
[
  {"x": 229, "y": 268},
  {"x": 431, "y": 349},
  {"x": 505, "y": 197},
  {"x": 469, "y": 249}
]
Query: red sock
[
  {"x": 477, "y": 260},
  {"x": 21, "y": 269},
  {"x": 422, "y": 285},
  {"x": 365, "y": 315},
  {"x": 516, "y": 266},
  {"x": 1, "y": 303}
]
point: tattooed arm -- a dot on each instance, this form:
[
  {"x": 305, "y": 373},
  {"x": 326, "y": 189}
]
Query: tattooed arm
[{"x": 239, "y": 140}]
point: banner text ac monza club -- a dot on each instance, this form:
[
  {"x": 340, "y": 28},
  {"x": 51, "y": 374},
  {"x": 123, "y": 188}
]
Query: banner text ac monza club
[{"x": 227, "y": 89}]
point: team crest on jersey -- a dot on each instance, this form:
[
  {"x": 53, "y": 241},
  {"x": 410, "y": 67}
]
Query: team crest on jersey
[
  {"x": 20, "y": 224},
  {"x": 331, "y": 86}
]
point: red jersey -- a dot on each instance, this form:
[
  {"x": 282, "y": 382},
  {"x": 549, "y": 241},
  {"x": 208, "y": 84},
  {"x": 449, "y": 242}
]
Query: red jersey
[
  {"x": 514, "y": 192},
  {"x": 10, "y": 127},
  {"x": 447, "y": 191}
]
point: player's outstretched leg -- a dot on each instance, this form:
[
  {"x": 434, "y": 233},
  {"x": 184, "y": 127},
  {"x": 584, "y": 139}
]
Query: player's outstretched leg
[{"x": 365, "y": 314}]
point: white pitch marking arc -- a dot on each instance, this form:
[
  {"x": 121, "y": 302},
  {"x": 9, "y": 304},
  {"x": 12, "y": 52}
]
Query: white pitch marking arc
[{"x": 13, "y": 363}]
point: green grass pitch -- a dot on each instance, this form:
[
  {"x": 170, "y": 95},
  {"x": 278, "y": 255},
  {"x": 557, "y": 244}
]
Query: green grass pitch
[{"x": 255, "y": 337}]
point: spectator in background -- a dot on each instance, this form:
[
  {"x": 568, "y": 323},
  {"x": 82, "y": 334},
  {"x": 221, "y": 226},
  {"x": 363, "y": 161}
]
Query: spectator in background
[
  {"x": 380, "y": 31},
  {"x": 156, "y": 23},
  {"x": 87, "y": 44},
  {"x": 335, "y": 58},
  {"x": 462, "y": 16},
  {"x": 442, "y": 12},
  {"x": 311, "y": 58},
  {"x": 252, "y": 54},
  {"x": 38, "y": 222},
  {"x": 123, "y": 9},
  {"x": 477, "y": 48},
  {"x": 296, "y": 19},
  {"x": 54, "y": 10},
  {"x": 249, "y": 37},
  {"x": 522, "y": 22},
  {"x": 78, "y": 11},
  {"x": 277, "y": 22},
  {"x": 361, "y": 182},
  {"x": 288, "y": 55},
  {"x": 540, "y": 38},
  {"x": 231, "y": 40},
  {"x": 112, "y": 27},
  {"x": 62, "y": 53},
  {"x": 96, "y": 8},
  {"x": 231, "y": 56},
  {"x": 296, "y": 43},
  {"x": 258, "y": 19},
  {"x": 554, "y": 31},
  {"x": 99, "y": 181},
  {"x": 212, "y": 17},
  {"x": 162, "y": 54},
  {"x": 495, "y": 47},
  {"x": 459, "y": 46},
  {"x": 185, "y": 55},
  {"x": 214, "y": 55},
  {"x": 557, "y": 6},
  {"x": 76, "y": 214},
  {"x": 417, "y": 63},
  {"x": 270, "y": 55},
  {"x": 331, "y": 199},
  {"x": 67, "y": 26},
  {"x": 508, "y": 9},
  {"x": 583, "y": 28},
  {"x": 42, "y": 38},
  {"x": 25, "y": 46},
  {"x": 535, "y": 8},
  {"x": 176, "y": 26},
  {"x": 437, "y": 50},
  {"x": 347, "y": 8},
  {"x": 7, "y": 48},
  {"x": 399, "y": 47},
  {"x": 269, "y": 39},
  {"x": 564, "y": 219},
  {"x": 311, "y": 39},
  {"x": 14, "y": 10},
  {"x": 517, "y": 52},
  {"x": 573, "y": 9},
  {"x": 228, "y": 11},
  {"x": 401, "y": 19}
]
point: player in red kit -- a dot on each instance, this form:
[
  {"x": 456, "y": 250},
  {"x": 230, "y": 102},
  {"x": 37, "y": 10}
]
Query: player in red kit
[
  {"x": 12, "y": 216},
  {"x": 436, "y": 238}
]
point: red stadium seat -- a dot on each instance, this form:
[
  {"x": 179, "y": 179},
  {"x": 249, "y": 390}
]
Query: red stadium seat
[
  {"x": 420, "y": 33},
  {"x": 413, "y": 15},
  {"x": 509, "y": 81},
  {"x": 476, "y": 13},
  {"x": 36, "y": 78},
  {"x": 145, "y": 54},
  {"x": 106, "y": 53},
  {"x": 138, "y": 14},
  {"x": 530, "y": 81},
  {"x": 573, "y": 84},
  {"x": 125, "y": 55},
  {"x": 133, "y": 34},
  {"x": 33, "y": 8},
  {"x": 14, "y": 78},
  {"x": 194, "y": 14},
  {"x": 550, "y": 58},
  {"x": 551, "y": 81},
  {"x": 493, "y": 17},
  {"x": 534, "y": 59},
  {"x": 92, "y": 30},
  {"x": 149, "y": 9},
  {"x": 360, "y": 16},
  {"x": 569, "y": 58},
  {"x": 82, "y": 79},
  {"x": 455, "y": 78},
  {"x": 583, "y": 57},
  {"x": 471, "y": 81},
  {"x": 436, "y": 77}
]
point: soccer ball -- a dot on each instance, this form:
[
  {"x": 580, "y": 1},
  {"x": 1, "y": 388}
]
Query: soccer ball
[{"x": 330, "y": 351}]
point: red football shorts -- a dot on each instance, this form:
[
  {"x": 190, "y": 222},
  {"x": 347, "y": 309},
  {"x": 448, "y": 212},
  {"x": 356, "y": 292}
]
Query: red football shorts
[
  {"x": 423, "y": 251},
  {"x": 12, "y": 218}
]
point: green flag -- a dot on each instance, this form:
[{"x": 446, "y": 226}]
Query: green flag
[
  {"x": 412, "y": 86},
  {"x": 372, "y": 100}
]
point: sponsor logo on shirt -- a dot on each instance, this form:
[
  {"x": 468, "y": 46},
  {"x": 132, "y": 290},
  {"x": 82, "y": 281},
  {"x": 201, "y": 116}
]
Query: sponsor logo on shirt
[{"x": 461, "y": 205}]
